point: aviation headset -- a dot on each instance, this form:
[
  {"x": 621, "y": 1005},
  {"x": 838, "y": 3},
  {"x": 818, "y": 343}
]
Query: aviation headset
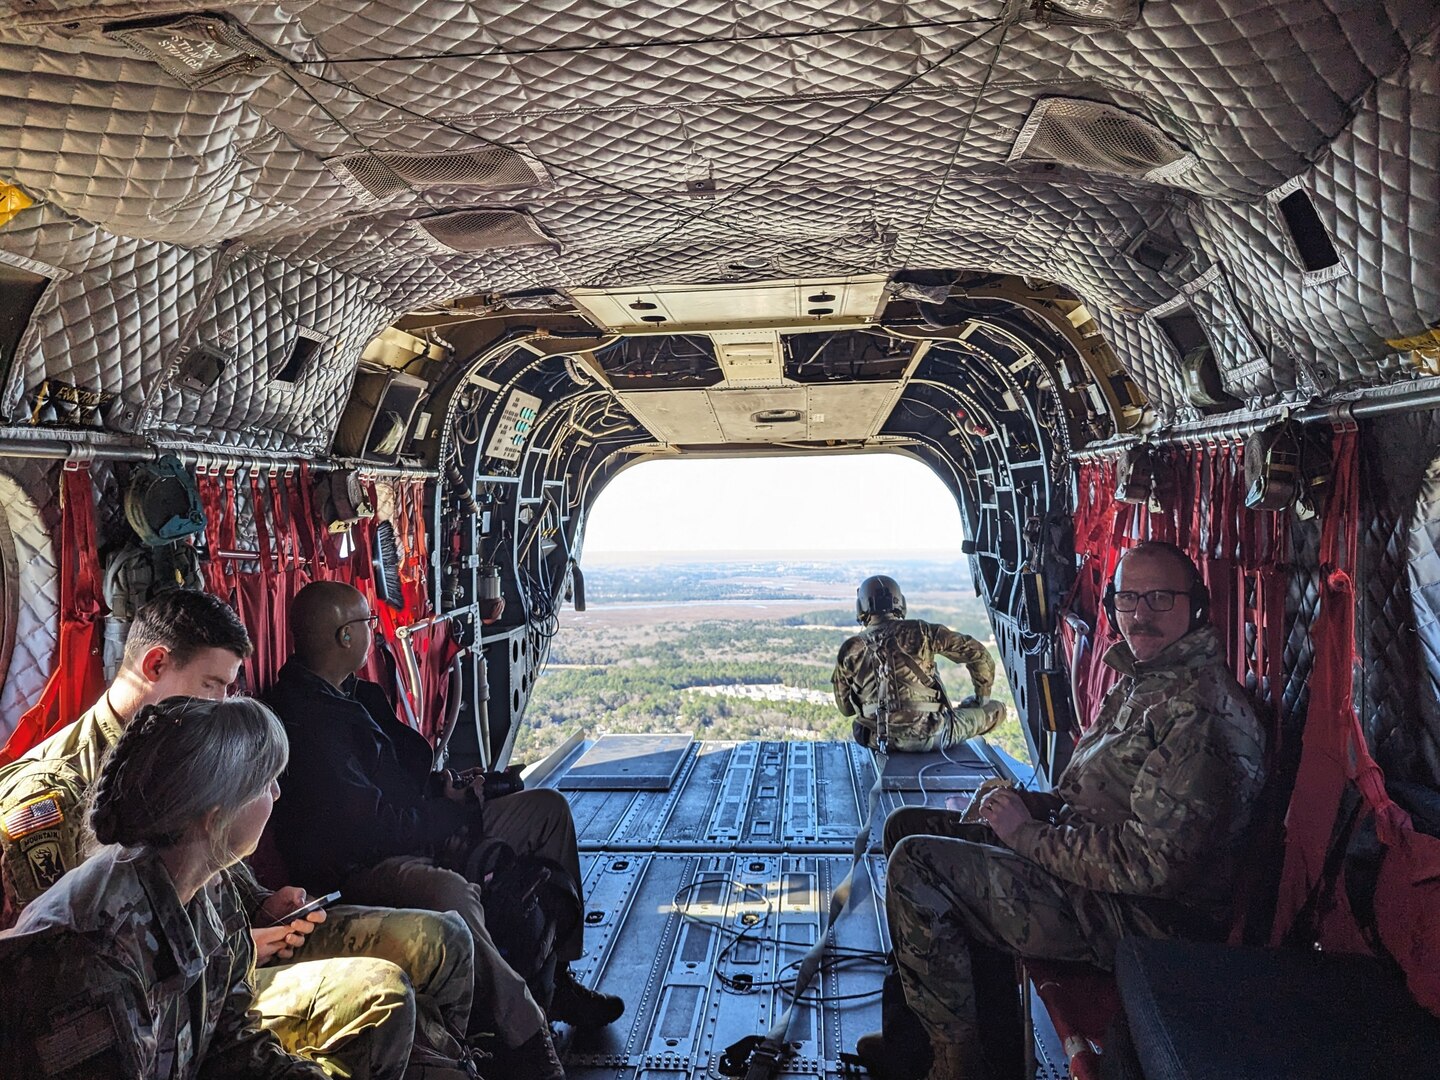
[{"x": 1199, "y": 595}]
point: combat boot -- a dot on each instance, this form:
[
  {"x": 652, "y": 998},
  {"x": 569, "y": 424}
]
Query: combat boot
[
  {"x": 902, "y": 1050},
  {"x": 576, "y": 1004},
  {"x": 889, "y": 1062}
]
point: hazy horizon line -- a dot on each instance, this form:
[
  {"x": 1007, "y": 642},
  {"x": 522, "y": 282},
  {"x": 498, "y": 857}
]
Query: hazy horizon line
[{"x": 785, "y": 554}]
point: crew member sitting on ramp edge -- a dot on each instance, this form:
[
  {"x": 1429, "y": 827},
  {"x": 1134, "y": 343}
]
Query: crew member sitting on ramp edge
[{"x": 902, "y": 652}]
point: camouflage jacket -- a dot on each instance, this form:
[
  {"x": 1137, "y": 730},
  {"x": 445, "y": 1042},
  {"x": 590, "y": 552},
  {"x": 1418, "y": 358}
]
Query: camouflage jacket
[
  {"x": 108, "y": 976},
  {"x": 1157, "y": 799},
  {"x": 42, "y": 806},
  {"x": 43, "y": 831},
  {"x": 909, "y": 647}
]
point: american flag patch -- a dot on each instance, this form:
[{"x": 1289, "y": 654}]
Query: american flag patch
[{"x": 33, "y": 816}]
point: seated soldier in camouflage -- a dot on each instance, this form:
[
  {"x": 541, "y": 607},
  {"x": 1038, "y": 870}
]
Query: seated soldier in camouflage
[
  {"x": 887, "y": 674},
  {"x": 1142, "y": 835},
  {"x": 349, "y": 1003},
  {"x": 134, "y": 965}
]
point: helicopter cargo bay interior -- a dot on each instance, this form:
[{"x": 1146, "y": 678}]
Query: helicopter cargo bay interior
[{"x": 387, "y": 293}]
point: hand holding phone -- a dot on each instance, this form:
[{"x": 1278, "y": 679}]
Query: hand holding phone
[{"x": 305, "y": 909}]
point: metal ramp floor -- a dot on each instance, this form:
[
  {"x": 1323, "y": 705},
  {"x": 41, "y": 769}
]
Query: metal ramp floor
[{"x": 699, "y": 896}]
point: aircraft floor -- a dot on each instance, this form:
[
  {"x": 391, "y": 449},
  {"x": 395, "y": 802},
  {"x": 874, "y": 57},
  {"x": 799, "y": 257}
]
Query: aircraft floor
[{"x": 699, "y": 897}]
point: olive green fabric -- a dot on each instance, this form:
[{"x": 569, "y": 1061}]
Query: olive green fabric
[{"x": 891, "y": 665}]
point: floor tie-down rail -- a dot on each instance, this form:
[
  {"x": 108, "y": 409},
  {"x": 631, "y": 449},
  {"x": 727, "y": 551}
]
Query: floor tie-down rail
[{"x": 701, "y": 897}]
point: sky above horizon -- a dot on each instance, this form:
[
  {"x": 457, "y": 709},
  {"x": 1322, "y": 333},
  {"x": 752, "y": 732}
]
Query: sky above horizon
[{"x": 872, "y": 503}]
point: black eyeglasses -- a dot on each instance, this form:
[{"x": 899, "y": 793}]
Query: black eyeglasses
[
  {"x": 1155, "y": 599},
  {"x": 372, "y": 620}
]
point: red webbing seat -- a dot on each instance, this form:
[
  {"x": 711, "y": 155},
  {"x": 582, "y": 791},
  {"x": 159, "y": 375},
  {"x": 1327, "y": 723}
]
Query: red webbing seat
[
  {"x": 1238, "y": 552},
  {"x": 1334, "y": 756},
  {"x": 78, "y": 676},
  {"x": 1082, "y": 1002}
]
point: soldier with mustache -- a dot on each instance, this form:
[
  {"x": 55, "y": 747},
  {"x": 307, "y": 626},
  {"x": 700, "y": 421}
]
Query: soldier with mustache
[{"x": 1142, "y": 835}]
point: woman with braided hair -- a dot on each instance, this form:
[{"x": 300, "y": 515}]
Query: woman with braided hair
[{"x": 136, "y": 964}]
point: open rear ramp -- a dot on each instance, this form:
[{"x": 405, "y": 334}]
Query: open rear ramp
[{"x": 702, "y": 897}]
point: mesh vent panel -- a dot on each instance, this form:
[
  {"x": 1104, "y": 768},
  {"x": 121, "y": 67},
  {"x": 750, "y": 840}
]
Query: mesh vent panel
[
  {"x": 483, "y": 230},
  {"x": 494, "y": 168},
  {"x": 1093, "y": 136}
]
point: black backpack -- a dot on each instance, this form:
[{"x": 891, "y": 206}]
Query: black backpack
[{"x": 530, "y": 903}]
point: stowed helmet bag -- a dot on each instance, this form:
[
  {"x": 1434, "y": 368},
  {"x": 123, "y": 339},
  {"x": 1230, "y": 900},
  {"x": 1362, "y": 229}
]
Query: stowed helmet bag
[{"x": 162, "y": 503}]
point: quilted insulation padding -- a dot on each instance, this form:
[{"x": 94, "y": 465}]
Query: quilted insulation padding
[
  {"x": 1335, "y": 328},
  {"x": 1396, "y": 692},
  {"x": 29, "y": 499},
  {"x": 842, "y": 136},
  {"x": 118, "y": 311},
  {"x": 1424, "y": 574}
]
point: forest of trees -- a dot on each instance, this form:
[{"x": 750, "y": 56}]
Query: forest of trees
[{"x": 622, "y": 667}]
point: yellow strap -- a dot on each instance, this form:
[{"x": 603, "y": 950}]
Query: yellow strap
[
  {"x": 1424, "y": 350},
  {"x": 12, "y": 201}
]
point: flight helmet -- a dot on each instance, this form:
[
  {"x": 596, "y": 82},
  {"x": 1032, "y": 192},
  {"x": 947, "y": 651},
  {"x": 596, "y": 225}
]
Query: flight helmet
[{"x": 877, "y": 596}]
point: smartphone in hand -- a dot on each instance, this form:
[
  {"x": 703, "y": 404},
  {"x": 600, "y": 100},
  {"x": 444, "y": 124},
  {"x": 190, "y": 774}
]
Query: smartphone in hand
[{"x": 305, "y": 909}]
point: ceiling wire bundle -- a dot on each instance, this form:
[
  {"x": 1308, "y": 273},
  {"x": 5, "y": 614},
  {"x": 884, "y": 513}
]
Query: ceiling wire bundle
[{"x": 837, "y": 957}]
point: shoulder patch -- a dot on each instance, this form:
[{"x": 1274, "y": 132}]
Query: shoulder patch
[
  {"x": 39, "y": 813},
  {"x": 76, "y": 1038},
  {"x": 46, "y": 863}
]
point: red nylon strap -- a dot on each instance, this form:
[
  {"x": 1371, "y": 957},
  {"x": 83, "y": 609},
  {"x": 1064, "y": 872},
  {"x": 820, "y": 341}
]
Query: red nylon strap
[
  {"x": 283, "y": 534},
  {"x": 227, "y": 512},
  {"x": 257, "y": 514},
  {"x": 416, "y": 556},
  {"x": 1327, "y": 742},
  {"x": 305, "y": 522},
  {"x": 1082, "y": 1002},
  {"x": 209, "y": 487},
  {"x": 78, "y": 678}
]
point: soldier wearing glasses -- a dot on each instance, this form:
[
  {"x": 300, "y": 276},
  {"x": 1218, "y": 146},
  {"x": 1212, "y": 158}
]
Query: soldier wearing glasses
[{"x": 1141, "y": 835}]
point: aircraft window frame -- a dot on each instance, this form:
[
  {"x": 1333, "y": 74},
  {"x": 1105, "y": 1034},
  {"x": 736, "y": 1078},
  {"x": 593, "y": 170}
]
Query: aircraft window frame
[{"x": 22, "y": 287}]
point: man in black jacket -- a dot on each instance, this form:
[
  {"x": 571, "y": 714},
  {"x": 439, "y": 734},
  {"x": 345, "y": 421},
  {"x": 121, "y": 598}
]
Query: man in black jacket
[{"x": 366, "y": 814}]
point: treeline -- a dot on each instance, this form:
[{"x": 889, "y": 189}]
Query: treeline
[
  {"x": 642, "y": 679},
  {"x": 761, "y": 580}
]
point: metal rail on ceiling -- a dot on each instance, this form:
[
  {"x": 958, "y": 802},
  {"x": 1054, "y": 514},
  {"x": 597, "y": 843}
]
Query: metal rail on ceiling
[
  {"x": 1411, "y": 399},
  {"x": 67, "y": 450}
]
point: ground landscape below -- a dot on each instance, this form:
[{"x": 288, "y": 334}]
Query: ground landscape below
[{"x": 729, "y": 647}]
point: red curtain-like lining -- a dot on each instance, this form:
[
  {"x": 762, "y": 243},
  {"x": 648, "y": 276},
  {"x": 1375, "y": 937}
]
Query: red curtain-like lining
[
  {"x": 1333, "y": 755},
  {"x": 296, "y": 548},
  {"x": 1241, "y": 555},
  {"x": 78, "y": 676}
]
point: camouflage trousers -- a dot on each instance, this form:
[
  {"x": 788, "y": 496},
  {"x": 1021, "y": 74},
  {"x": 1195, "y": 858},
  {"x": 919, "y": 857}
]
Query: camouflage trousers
[
  {"x": 533, "y": 823},
  {"x": 920, "y": 733},
  {"x": 950, "y": 888},
  {"x": 365, "y": 985}
]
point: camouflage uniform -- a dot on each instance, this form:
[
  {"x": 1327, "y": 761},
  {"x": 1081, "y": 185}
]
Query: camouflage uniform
[
  {"x": 1141, "y": 836},
  {"x": 344, "y": 998},
  {"x": 346, "y": 1001},
  {"x": 109, "y": 977},
  {"x": 920, "y": 719}
]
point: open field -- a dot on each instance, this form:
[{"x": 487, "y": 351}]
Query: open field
[{"x": 749, "y": 659}]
